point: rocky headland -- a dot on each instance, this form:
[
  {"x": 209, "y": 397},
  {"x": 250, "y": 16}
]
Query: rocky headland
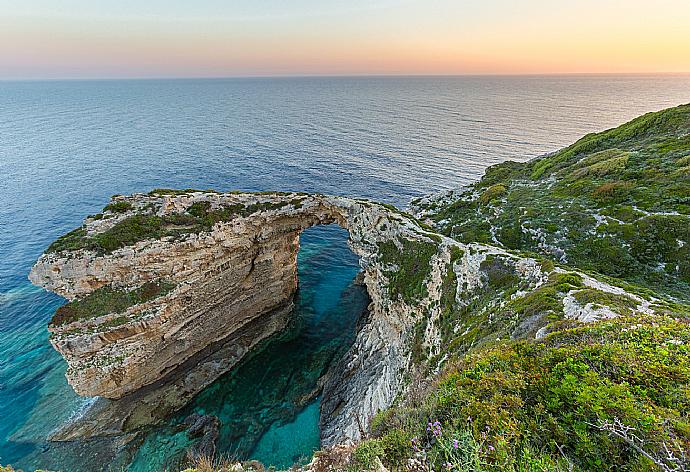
[
  {"x": 171, "y": 289},
  {"x": 536, "y": 320}
]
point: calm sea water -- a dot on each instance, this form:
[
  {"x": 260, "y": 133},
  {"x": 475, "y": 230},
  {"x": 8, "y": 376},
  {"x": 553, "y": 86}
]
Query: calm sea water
[{"x": 65, "y": 147}]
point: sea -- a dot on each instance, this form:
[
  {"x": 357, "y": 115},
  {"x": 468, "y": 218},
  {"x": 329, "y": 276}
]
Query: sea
[{"x": 67, "y": 146}]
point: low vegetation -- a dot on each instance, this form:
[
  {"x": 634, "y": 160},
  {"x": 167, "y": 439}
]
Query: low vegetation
[
  {"x": 410, "y": 264},
  {"x": 118, "y": 207},
  {"x": 146, "y": 225},
  {"x": 608, "y": 396},
  {"x": 107, "y": 300},
  {"x": 615, "y": 203}
]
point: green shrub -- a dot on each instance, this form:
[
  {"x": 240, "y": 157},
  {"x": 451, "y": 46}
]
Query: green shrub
[
  {"x": 621, "y": 304},
  {"x": 612, "y": 192},
  {"x": 367, "y": 452},
  {"x": 68, "y": 242},
  {"x": 499, "y": 274},
  {"x": 538, "y": 402},
  {"x": 492, "y": 193},
  {"x": 127, "y": 232},
  {"x": 105, "y": 300},
  {"x": 199, "y": 209},
  {"x": 139, "y": 227},
  {"x": 171, "y": 191},
  {"x": 395, "y": 447},
  {"x": 118, "y": 207},
  {"x": 413, "y": 262},
  {"x": 542, "y": 300},
  {"x": 613, "y": 162}
]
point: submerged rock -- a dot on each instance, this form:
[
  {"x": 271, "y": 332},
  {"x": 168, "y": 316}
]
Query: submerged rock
[{"x": 206, "y": 429}]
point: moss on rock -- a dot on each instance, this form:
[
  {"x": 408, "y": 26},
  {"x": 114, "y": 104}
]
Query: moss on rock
[{"x": 106, "y": 300}]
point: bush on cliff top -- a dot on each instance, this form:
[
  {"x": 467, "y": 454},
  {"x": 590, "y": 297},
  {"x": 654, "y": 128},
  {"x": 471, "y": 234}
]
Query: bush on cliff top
[
  {"x": 412, "y": 262},
  {"x": 199, "y": 217},
  {"x": 616, "y": 203},
  {"x": 608, "y": 396},
  {"x": 105, "y": 300}
]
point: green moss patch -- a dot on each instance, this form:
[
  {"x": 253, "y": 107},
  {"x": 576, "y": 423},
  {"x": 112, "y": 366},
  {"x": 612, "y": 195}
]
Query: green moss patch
[
  {"x": 106, "y": 300},
  {"x": 413, "y": 265}
]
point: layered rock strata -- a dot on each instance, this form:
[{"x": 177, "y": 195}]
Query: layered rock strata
[
  {"x": 228, "y": 266},
  {"x": 235, "y": 271}
]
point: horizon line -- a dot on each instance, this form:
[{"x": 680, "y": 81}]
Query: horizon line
[{"x": 354, "y": 75}]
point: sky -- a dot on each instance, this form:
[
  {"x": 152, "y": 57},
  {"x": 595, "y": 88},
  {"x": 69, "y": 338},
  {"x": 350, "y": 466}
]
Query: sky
[{"x": 214, "y": 38}]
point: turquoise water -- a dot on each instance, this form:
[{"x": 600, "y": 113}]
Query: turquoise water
[
  {"x": 266, "y": 406},
  {"x": 65, "y": 147}
]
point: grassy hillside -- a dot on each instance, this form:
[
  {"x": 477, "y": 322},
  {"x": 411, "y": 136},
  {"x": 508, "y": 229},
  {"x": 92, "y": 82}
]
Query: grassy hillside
[
  {"x": 616, "y": 203},
  {"x": 607, "y": 395}
]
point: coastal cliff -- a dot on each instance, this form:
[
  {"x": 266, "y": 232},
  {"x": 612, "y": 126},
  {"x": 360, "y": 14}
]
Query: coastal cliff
[
  {"x": 161, "y": 287},
  {"x": 151, "y": 322},
  {"x": 536, "y": 320},
  {"x": 587, "y": 366}
]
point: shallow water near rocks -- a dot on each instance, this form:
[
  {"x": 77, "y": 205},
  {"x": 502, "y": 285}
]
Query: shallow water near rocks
[
  {"x": 267, "y": 406},
  {"x": 66, "y": 146}
]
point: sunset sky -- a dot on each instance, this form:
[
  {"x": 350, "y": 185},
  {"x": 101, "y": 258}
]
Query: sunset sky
[{"x": 214, "y": 38}]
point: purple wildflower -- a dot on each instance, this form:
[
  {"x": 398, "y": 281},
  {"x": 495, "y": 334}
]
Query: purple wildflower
[
  {"x": 414, "y": 444},
  {"x": 434, "y": 428},
  {"x": 455, "y": 444}
]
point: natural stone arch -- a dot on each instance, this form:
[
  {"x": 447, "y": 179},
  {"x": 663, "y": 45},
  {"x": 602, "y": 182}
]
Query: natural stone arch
[{"x": 221, "y": 281}]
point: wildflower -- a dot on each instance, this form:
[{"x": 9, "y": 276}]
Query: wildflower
[
  {"x": 491, "y": 448},
  {"x": 449, "y": 465},
  {"x": 455, "y": 444},
  {"x": 434, "y": 428},
  {"x": 414, "y": 443}
]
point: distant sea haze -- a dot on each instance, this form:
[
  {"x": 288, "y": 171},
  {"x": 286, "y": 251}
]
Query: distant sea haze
[{"x": 67, "y": 146}]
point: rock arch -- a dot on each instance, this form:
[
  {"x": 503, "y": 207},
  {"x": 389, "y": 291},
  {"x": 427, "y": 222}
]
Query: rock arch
[{"x": 199, "y": 278}]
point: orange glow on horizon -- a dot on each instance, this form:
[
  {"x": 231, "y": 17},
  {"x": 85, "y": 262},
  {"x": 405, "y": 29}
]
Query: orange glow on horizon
[{"x": 64, "y": 47}]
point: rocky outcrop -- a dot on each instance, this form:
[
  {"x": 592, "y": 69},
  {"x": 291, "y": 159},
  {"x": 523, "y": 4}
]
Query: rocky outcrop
[
  {"x": 221, "y": 276},
  {"x": 205, "y": 429},
  {"x": 170, "y": 290},
  {"x": 153, "y": 403}
]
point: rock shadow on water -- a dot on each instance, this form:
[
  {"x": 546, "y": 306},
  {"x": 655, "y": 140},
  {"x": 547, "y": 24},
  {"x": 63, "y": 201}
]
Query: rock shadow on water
[{"x": 239, "y": 398}]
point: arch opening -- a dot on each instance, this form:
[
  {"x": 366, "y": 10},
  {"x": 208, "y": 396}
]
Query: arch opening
[{"x": 268, "y": 407}]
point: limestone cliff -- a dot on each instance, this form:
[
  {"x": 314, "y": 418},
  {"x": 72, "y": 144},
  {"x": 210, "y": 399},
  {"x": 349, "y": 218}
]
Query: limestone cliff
[
  {"x": 160, "y": 282},
  {"x": 560, "y": 339},
  {"x": 169, "y": 290}
]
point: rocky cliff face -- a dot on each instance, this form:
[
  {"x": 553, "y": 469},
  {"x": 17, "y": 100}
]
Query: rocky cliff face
[
  {"x": 170, "y": 290},
  {"x": 159, "y": 283}
]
